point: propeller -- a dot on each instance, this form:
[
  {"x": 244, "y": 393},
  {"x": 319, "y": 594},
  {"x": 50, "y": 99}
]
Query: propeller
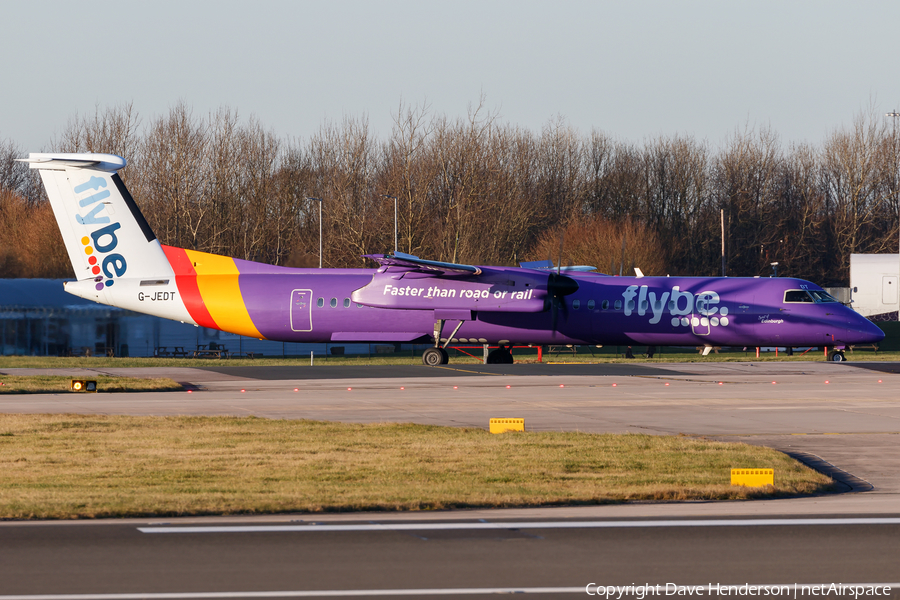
[
  {"x": 558, "y": 287},
  {"x": 559, "y": 262}
]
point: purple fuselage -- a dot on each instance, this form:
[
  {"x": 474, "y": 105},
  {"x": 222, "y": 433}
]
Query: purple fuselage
[{"x": 510, "y": 305}]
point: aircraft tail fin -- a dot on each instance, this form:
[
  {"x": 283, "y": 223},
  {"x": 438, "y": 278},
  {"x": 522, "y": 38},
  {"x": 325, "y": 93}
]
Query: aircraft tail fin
[{"x": 105, "y": 233}]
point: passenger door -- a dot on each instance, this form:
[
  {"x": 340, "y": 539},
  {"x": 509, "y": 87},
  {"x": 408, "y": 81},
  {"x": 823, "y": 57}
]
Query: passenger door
[
  {"x": 699, "y": 324},
  {"x": 301, "y": 310}
]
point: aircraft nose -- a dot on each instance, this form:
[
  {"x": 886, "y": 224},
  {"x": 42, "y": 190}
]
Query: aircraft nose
[{"x": 862, "y": 331}]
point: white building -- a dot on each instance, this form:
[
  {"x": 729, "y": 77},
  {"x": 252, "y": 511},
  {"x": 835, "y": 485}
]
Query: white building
[{"x": 874, "y": 281}]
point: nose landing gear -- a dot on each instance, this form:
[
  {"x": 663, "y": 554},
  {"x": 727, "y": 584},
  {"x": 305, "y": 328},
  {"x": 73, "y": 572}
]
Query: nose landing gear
[{"x": 835, "y": 355}]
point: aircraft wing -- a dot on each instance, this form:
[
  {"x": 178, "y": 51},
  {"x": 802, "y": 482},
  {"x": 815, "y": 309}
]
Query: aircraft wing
[
  {"x": 402, "y": 261},
  {"x": 409, "y": 282}
]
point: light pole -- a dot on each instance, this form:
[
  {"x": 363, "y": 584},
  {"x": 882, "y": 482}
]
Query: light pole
[
  {"x": 319, "y": 200},
  {"x": 395, "y": 219},
  {"x": 894, "y": 114},
  {"x": 722, "y": 215}
]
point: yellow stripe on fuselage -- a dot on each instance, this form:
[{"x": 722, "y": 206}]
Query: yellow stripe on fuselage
[{"x": 217, "y": 280}]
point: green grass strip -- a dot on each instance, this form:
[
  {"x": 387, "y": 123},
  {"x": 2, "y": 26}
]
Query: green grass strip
[
  {"x": 71, "y": 466},
  {"x": 52, "y": 384}
]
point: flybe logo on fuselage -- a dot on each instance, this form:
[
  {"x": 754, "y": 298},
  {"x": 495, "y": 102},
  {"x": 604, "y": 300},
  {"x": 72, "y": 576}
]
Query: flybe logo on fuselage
[
  {"x": 686, "y": 308},
  {"x": 99, "y": 243}
]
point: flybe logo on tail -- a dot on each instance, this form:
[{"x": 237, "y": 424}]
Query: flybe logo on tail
[
  {"x": 100, "y": 243},
  {"x": 93, "y": 184}
]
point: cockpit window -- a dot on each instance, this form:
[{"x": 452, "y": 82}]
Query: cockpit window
[
  {"x": 797, "y": 296},
  {"x": 808, "y": 296},
  {"x": 823, "y": 296}
]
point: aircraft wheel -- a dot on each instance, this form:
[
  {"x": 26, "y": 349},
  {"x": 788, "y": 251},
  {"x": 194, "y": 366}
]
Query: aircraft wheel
[
  {"x": 837, "y": 356},
  {"x": 434, "y": 357},
  {"x": 500, "y": 356}
]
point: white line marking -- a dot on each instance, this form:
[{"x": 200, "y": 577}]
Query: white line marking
[
  {"x": 394, "y": 592},
  {"x": 320, "y": 528}
]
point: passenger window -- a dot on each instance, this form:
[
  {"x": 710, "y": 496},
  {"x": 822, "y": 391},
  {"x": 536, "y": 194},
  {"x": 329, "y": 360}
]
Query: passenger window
[
  {"x": 320, "y": 302},
  {"x": 333, "y": 302},
  {"x": 359, "y": 306},
  {"x": 605, "y": 305},
  {"x": 591, "y": 305},
  {"x": 644, "y": 305},
  {"x": 576, "y": 304},
  {"x": 619, "y": 305},
  {"x": 797, "y": 296},
  {"x": 346, "y": 302}
]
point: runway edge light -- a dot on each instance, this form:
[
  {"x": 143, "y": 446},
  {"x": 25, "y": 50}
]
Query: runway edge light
[
  {"x": 753, "y": 477},
  {"x": 504, "y": 425},
  {"x": 83, "y": 385}
]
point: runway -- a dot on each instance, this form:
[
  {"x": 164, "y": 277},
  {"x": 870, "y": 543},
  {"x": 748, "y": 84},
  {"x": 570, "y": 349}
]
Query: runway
[
  {"x": 843, "y": 417},
  {"x": 424, "y": 560}
]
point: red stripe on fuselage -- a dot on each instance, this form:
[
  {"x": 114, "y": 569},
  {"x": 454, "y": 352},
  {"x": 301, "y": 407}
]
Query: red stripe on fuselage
[{"x": 186, "y": 280}]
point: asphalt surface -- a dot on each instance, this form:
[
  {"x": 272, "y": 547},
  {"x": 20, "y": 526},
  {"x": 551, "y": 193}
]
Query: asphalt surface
[
  {"x": 842, "y": 418},
  {"x": 121, "y": 558}
]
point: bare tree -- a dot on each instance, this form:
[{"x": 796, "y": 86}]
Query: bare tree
[
  {"x": 112, "y": 130},
  {"x": 174, "y": 174},
  {"x": 744, "y": 185},
  {"x": 30, "y": 242},
  {"x": 408, "y": 171},
  {"x": 857, "y": 171},
  {"x": 14, "y": 176},
  {"x": 602, "y": 243},
  {"x": 676, "y": 196},
  {"x": 477, "y": 190}
]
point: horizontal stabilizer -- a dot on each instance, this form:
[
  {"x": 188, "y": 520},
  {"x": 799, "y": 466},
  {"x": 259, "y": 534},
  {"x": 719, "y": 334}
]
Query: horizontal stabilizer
[
  {"x": 548, "y": 264},
  {"x": 537, "y": 264},
  {"x": 60, "y": 162}
]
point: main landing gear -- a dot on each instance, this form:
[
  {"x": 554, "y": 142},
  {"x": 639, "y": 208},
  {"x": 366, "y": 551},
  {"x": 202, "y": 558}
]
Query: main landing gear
[
  {"x": 438, "y": 355},
  {"x": 435, "y": 356},
  {"x": 500, "y": 356}
]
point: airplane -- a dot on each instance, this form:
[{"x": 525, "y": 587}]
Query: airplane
[{"x": 118, "y": 261}]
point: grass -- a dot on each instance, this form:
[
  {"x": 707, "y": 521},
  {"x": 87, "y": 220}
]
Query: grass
[
  {"x": 49, "y": 384},
  {"x": 600, "y": 355},
  {"x": 70, "y": 466}
]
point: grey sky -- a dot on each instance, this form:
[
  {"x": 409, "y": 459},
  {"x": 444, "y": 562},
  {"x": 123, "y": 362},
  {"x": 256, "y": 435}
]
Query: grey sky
[{"x": 634, "y": 70}]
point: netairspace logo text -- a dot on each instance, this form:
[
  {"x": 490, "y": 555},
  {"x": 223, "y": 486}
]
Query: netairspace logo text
[{"x": 797, "y": 590}]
